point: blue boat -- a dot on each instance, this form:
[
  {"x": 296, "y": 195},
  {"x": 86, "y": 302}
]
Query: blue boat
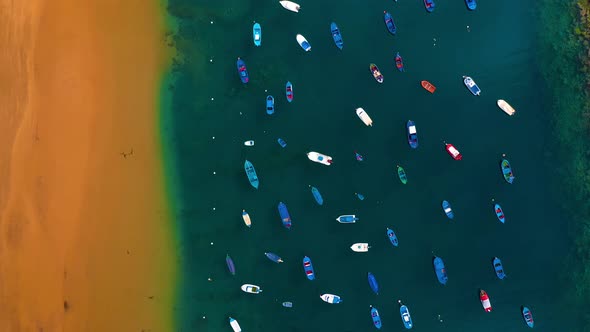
[
  {"x": 308, "y": 268},
  {"x": 273, "y": 257},
  {"x": 447, "y": 209},
  {"x": 405, "y": 314},
  {"x": 270, "y": 105},
  {"x": 471, "y": 4},
  {"x": 243, "y": 71},
  {"x": 257, "y": 34},
  {"x": 316, "y": 195},
  {"x": 440, "y": 270},
  {"x": 499, "y": 213},
  {"x": 507, "y": 171},
  {"x": 230, "y": 265},
  {"x": 375, "y": 317},
  {"x": 289, "y": 91},
  {"x": 288, "y": 304},
  {"x": 471, "y": 85},
  {"x": 336, "y": 35},
  {"x": 285, "y": 217},
  {"x": 373, "y": 283},
  {"x": 528, "y": 317},
  {"x": 429, "y": 4},
  {"x": 347, "y": 219},
  {"x": 389, "y": 22},
  {"x": 282, "y": 142},
  {"x": 251, "y": 173},
  {"x": 360, "y": 196},
  {"x": 498, "y": 268},
  {"x": 412, "y": 134},
  {"x": 392, "y": 237}
]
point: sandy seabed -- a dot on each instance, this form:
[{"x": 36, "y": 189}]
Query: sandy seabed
[{"x": 86, "y": 241}]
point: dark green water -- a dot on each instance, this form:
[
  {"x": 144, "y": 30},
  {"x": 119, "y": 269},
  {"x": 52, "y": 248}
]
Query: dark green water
[{"x": 499, "y": 51}]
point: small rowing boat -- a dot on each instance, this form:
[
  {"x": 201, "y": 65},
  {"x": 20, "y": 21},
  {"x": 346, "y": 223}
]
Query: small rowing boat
[
  {"x": 285, "y": 217},
  {"x": 282, "y": 142},
  {"x": 375, "y": 317},
  {"x": 251, "y": 173},
  {"x": 405, "y": 314},
  {"x": 471, "y": 4},
  {"x": 230, "y": 265},
  {"x": 270, "y": 105},
  {"x": 361, "y": 197},
  {"x": 453, "y": 152},
  {"x": 440, "y": 270},
  {"x": 428, "y": 86},
  {"x": 257, "y": 34},
  {"x": 365, "y": 118},
  {"x": 485, "y": 300},
  {"x": 291, "y": 6},
  {"x": 347, "y": 219},
  {"x": 360, "y": 247},
  {"x": 358, "y": 156},
  {"x": 499, "y": 268},
  {"x": 507, "y": 171},
  {"x": 242, "y": 71},
  {"x": 528, "y": 317},
  {"x": 401, "y": 173},
  {"x": 470, "y": 84},
  {"x": 273, "y": 257},
  {"x": 303, "y": 43},
  {"x": 389, "y": 23},
  {"x": 316, "y": 195},
  {"x": 234, "y": 325},
  {"x": 412, "y": 134},
  {"x": 392, "y": 237},
  {"x": 373, "y": 283},
  {"x": 246, "y": 218},
  {"x": 249, "y": 143},
  {"x": 319, "y": 158},
  {"x": 289, "y": 91},
  {"x": 504, "y": 106},
  {"x": 252, "y": 289},
  {"x": 336, "y": 35},
  {"x": 399, "y": 62},
  {"x": 331, "y": 298},
  {"x": 499, "y": 213},
  {"x": 429, "y": 4},
  {"x": 447, "y": 209},
  {"x": 308, "y": 268},
  {"x": 376, "y": 73}
]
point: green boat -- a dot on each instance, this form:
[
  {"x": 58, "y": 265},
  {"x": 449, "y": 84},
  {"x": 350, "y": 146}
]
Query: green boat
[{"x": 402, "y": 174}]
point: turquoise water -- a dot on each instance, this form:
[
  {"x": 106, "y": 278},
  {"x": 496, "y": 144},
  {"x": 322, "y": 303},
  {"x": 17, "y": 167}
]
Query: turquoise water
[{"x": 499, "y": 50}]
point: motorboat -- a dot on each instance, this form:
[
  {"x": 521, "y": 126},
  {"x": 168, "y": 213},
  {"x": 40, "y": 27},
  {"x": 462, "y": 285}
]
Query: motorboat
[
  {"x": 270, "y": 105},
  {"x": 428, "y": 86},
  {"x": 447, "y": 209},
  {"x": 405, "y": 315},
  {"x": 242, "y": 71},
  {"x": 303, "y": 43},
  {"x": 282, "y": 142},
  {"x": 392, "y": 237},
  {"x": 389, "y": 23},
  {"x": 249, "y": 143},
  {"x": 331, "y": 298},
  {"x": 429, "y": 4},
  {"x": 373, "y": 283},
  {"x": 347, "y": 219},
  {"x": 308, "y": 268},
  {"x": 498, "y": 268},
  {"x": 507, "y": 171},
  {"x": 504, "y": 106},
  {"x": 230, "y": 265},
  {"x": 376, "y": 73},
  {"x": 360, "y": 247},
  {"x": 470, "y": 84},
  {"x": 289, "y": 91},
  {"x": 251, "y": 173},
  {"x": 375, "y": 317},
  {"x": 440, "y": 270},
  {"x": 499, "y": 213},
  {"x": 291, "y": 6},
  {"x": 528, "y": 317},
  {"x": 252, "y": 289},
  {"x": 319, "y": 158},
  {"x": 365, "y": 118},
  {"x": 246, "y": 218},
  {"x": 273, "y": 257},
  {"x": 257, "y": 34},
  {"x": 234, "y": 325},
  {"x": 453, "y": 152},
  {"x": 412, "y": 134},
  {"x": 485, "y": 300},
  {"x": 285, "y": 217},
  {"x": 471, "y": 4},
  {"x": 401, "y": 173},
  {"x": 399, "y": 62},
  {"x": 336, "y": 35},
  {"x": 316, "y": 195}
]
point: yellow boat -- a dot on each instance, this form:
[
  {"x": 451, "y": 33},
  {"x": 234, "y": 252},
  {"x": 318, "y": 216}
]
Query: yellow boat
[
  {"x": 246, "y": 218},
  {"x": 504, "y": 106}
]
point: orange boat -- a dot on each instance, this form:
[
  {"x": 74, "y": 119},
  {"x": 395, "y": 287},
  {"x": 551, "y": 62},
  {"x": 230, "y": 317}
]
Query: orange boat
[{"x": 429, "y": 87}]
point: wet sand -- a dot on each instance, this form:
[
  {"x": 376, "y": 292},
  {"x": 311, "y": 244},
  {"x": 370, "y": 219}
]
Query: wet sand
[{"x": 86, "y": 239}]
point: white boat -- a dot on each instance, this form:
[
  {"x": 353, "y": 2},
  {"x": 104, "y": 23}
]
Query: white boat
[
  {"x": 234, "y": 325},
  {"x": 347, "y": 219},
  {"x": 331, "y": 298},
  {"x": 249, "y": 143},
  {"x": 319, "y": 158},
  {"x": 246, "y": 218},
  {"x": 360, "y": 247},
  {"x": 364, "y": 117},
  {"x": 252, "y": 289},
  {"x": 303, "y": 43},
  {"x": 504, "y": 106},
  {"x": 289, "y": 5}
]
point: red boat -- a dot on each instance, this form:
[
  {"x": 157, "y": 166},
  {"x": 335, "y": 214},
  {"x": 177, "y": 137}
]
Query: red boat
[
  {"x": 428, "y": 86},
  {"x": 453, "y": 151},
  {"x": 485, "y": 300}
]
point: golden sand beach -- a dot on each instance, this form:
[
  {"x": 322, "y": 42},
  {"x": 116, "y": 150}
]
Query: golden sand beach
[{"x": 86, "y": 242}]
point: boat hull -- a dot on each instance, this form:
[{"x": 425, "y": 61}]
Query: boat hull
[
  {"x": 471, "y": 4},
  {"x": 303, "y": 43},
  {"x": 319, "y": 158},
  {"x": 230, "y": 265},
  {"x": 251, "y": 173},
  {"x": 504, "y": 106},
  {"x": 376, "y": 73},
  {"x": 428, "y": 86},
  {"x": 471, "y": 85},
  {"x": 392, "y": 237},
  {"x": 257, "y": 34},
  {"x": 376, "y": 318},
  {"x": 291, "y": 6},
  {"x": 373, "y": 283},
  {"x": 405, "y": 315},
  {"x": 285, "y": 217},
  {"x": 336, "y": 35},
  {"x": 246, "y": 218},
  {"x": 453, "y": 152},
  {"x": 412, "y": 134},
  {"x": 485, "y": 301},
  {"x": 399, "y": 62},
  {"x": 440, "y": 270},
  {"x": 447, "y": 209},
  {"x": 234, "y": 325},
  {"x": 388, "y": 19},
  {"x": 282, "y": 142},
  {"x": 243, "y": 71},
  {"x": 429, "y": 5},
  {"x": 360, "y": 247},
  {"x": 289, "y": 91},
  {"x": 252, "y": 289},
  {"x": 308, "y": 268},
  {"x": 273, "y": 257},
  {"x": 507, "y": 171},
  {"x": 498, "y": 268},
  {"x": 401, "y": 173},
  {"x": 365, "y": 118},
  {"x": 527, "y": 315},
  {"x": 270, "y": 105},
  {"x": 347, "y": 219},
  {"x": 499, "y": 213},
  {"x": 317, "y": 196},
  {"x": 330, "y": 298}
]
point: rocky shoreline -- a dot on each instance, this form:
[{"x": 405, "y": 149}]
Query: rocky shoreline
[{"x": 582, "y": 31}]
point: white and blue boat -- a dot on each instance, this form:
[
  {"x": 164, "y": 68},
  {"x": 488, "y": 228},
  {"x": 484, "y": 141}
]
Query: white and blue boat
[
  {"x": 373, "y": 283},
  {"x": 375, "y": 317},
  {"x": 447, "y": 209},
  {"x": 470, "y": 84},
  {"x": 270, "y": 105},
  {"x": 257, "y": 34},
  {"x": 405, "y": 314},
  {"x": 303, "y": 43},
  {"x": 528, "y": 317},
  {"x": 499, "y": 213},
  {"x": 316, "y": 195},
  {"x": 288, "y": 304},
  {"x": 273, "y": 257},
  {"x": 471, "y": 4},
  {"x": 251, "y": 173},
  {"x": 412, "y": 134},
  {"x": 285, "y": 217},
  {"x": 392, "y": 237},
  {"x": 234, "y": 325},
  {"x": 336, "y": 35},
  {"x": 347, "y": 219},
  {"x": 308, "y": 268},
  {"x": 440, "y": 270},
  {"x": 282, "y": 142},
  {"x": 331, "y": 298},
  {"x": 498, "y": 268}
]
